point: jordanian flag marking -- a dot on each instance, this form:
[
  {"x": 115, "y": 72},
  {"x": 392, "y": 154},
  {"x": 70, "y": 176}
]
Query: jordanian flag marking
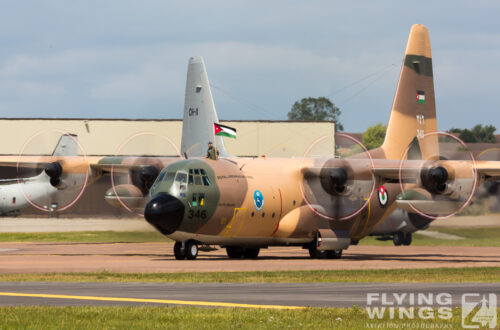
[
  {"x": 222, "y": 130},
  {"x": 383, "y": 197},
  {"x": 420, "y": 97}
]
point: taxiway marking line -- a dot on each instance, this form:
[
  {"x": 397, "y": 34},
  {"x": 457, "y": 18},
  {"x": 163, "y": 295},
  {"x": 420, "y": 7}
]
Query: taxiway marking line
[{"x": 155, "y": 301}]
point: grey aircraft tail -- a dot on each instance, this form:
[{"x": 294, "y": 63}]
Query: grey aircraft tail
[
  {"x": 67, "y": 146},
  {"x": 199, "y": 113}
]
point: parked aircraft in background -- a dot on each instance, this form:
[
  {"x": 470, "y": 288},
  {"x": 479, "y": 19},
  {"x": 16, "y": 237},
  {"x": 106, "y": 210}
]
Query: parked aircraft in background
[{"x": 40, "y": 190}]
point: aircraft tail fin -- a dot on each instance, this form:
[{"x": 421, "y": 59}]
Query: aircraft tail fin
[
  {"x": 199, "y": 113},
  {"x": 413, "y": 113},
  {"x": 67, "y": 146}
]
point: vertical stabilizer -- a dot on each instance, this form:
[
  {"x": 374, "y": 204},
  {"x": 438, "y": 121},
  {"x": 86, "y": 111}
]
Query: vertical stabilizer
[
  {"x": 67, "y": 146},
  {"x": 199, "y": 113},
  {"x": 414, "y": 108}
]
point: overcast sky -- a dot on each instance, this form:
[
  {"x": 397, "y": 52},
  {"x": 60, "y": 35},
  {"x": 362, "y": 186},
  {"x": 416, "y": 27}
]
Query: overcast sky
[{"x": 128, "y": 59}]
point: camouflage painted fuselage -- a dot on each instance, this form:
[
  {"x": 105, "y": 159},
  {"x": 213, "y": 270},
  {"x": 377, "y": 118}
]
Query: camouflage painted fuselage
[{"x": 253, "y": 202}]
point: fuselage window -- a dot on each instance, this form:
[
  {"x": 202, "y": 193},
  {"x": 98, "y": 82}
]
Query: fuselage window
[{"x": 190, "y": 178}]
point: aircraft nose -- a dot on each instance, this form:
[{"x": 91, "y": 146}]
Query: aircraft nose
[{"x": 164, "y": 212}]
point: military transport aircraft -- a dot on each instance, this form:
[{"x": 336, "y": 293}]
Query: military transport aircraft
[
  {"x": 245, "y": 204},
  {"x": 322, "y": 204}
]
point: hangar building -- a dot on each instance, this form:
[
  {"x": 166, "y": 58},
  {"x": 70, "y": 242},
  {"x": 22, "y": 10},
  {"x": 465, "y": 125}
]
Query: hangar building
[{"x": 160, "y": 137}]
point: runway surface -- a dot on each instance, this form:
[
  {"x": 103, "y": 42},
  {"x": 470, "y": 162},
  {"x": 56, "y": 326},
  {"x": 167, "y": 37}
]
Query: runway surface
[
  {"x": 255, "y": 295},
  {"x": 33, "y": 225},
  {"x": 158, "y": 257}
]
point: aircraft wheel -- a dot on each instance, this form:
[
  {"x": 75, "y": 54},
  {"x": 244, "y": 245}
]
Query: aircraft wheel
[
  {"x": 191, "y": 250},
  {"x": 234, "y": 252},
  {"x": 179, "y": 251},
  {"x": 314, "y": 253},
  {"x": 334, "y": 254},
  {"x": 398, "y": 238},
  {"x": 251, "y": 253},
  {"x": 407, "y": 239}
]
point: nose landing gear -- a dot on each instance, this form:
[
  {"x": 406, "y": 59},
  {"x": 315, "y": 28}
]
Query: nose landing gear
[{"x": 186, "y": 250}]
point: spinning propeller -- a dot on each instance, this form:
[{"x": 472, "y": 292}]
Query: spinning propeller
[
  {"x": 335, "y": 187},
  {"x": 445, "y": 177},
  {"x": 62, "y": 173},
  {"x": 139, "y": 160}
]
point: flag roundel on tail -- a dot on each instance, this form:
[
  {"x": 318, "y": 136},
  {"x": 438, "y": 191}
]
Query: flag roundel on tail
[
  {"x": 420, "y": 97},
  {"x": 222, "y": 130}
]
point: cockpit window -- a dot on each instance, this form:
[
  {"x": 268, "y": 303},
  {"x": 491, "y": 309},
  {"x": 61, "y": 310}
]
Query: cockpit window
[
  {"x": 197, "y": 180},
  {"x": 198, "y": 177},
  {"x": 170, "y": 176},
  {"x": 206, "y": 182},
  {"x": 160, "y": 177},
  {"x": 181, "y": 177}
]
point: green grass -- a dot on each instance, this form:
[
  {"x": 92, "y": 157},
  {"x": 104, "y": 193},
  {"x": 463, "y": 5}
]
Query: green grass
[
  {"x": 455, "y": 275},
  {"x": 86, "y": 317},
  {"x": 475, "y": 236},
  {"x": 85, "y": 236}
]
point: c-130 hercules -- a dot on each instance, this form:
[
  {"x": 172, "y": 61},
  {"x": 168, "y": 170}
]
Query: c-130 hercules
[{"x": 245, "y": 204}]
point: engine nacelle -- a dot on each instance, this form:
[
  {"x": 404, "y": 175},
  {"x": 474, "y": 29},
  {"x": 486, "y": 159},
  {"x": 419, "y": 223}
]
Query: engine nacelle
[
  {"x": 54, "y": 170},
  {"x": 129, "y": 194}
]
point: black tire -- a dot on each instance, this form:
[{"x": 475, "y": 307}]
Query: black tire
[
  {"x": 234, "y": 252},
  {"x": 334, "y": 254},
  {"x": 398, "y": 238},
  {"x": 314, "y": 253},
  {"x": 191, "y": 250},
  {"x": 179, "y": 251},
  {"x": 407, "y": 239},
  {"x": 251, "y": 253}
]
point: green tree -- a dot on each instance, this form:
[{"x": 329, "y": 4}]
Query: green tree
[
  {"x": 478, "y": 133},
  {"x": 374, "y": 136},
  {"x": 316, "y": 109}
]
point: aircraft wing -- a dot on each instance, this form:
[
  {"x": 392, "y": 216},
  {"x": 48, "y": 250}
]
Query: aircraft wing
[{"x": 435, "y": 187}]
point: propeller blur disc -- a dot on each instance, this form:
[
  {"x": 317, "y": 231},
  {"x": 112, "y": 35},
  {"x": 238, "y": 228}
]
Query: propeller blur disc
[
  {"x": 447, "y": 176},
  {"x": 339, "y": 180},
  {"x": 53, "y": 169},
  {"x": 150, "y": 153}
]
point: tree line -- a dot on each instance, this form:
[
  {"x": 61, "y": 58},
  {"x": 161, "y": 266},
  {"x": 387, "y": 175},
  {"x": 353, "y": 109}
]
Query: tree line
[{"x": 322, "y": 109}]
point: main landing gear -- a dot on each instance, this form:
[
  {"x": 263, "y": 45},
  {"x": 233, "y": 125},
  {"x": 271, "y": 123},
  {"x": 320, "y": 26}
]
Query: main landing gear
[
  {"x": 186, "y": 250},
  {"x": 314, "y": 253},
  {"x": 326, "y": 254},
  {"x": 238, "y": 252},
  {"x": 401, "y": 238}
]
